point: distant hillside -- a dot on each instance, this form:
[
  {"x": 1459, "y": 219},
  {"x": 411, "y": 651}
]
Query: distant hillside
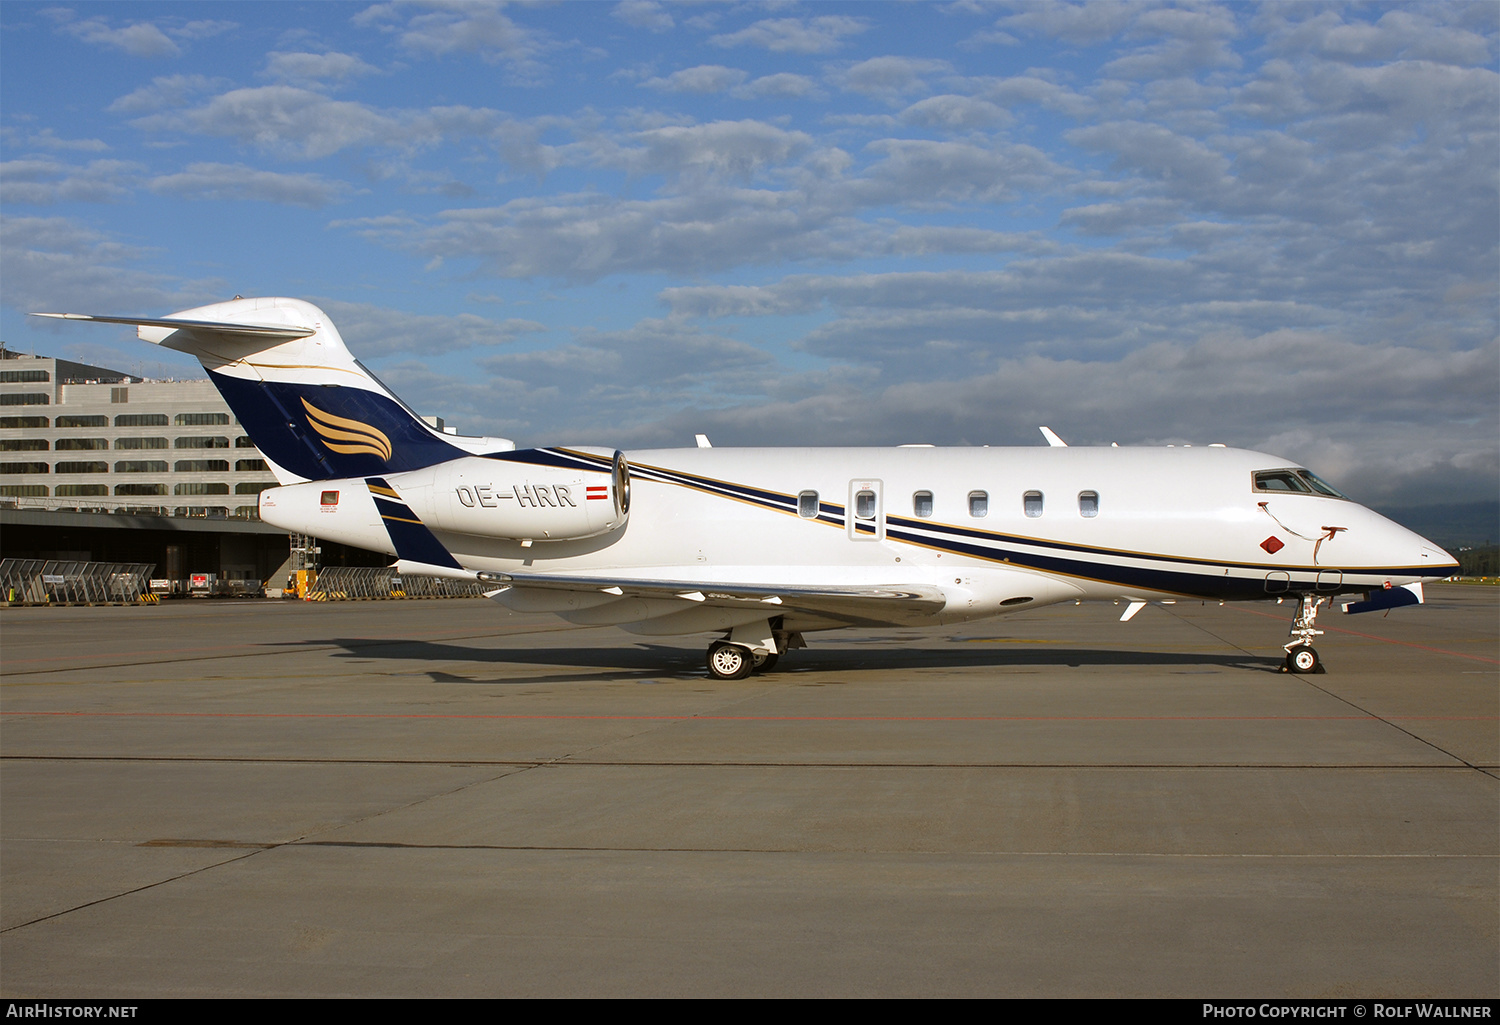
[{"x": 1461, "y": 525}]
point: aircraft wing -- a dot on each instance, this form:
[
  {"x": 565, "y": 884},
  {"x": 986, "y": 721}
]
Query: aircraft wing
[{"x": 854, "y": 603}]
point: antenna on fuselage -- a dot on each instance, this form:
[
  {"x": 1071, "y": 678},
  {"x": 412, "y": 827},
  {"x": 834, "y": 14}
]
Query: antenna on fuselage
[{"x": 1052, "y": 438}]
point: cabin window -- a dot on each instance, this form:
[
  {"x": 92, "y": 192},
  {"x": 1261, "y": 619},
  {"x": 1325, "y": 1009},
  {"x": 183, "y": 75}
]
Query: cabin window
[
  {"x": 1032, "y": 503},
  {"x": 979, "y": 503},
  {"x": 921, "y": 504},
  {"x": 1088, "y": 503},
  {"x": 864, "y": 505},
  {"x": 807, "y": 505}
]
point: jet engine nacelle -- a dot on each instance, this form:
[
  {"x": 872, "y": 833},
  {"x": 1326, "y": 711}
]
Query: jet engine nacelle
[
  {"x": 502, "y": 498},
  {"x": 478, "y": 496}
]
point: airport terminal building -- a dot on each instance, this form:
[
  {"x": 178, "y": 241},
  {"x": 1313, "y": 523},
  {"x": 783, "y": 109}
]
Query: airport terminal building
[
  {"x": 73, "y": 436},
  {"x": 99, "y": 465}
]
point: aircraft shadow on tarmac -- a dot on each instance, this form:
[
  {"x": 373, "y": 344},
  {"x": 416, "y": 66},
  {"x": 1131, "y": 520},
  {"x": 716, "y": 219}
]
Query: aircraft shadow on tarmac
[{"x": 654, "y": 661}]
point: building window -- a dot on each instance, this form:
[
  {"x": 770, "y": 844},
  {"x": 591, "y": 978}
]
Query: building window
[
  {"x": 250, "y": 466},
  {"x": 140, "y": 489},
  {"x": 141, "y": 466},
  {"x": 200, "y": 419},
  {"x": 202, "y": 466},
  {"x": 213, "y": 512},
  {"x": 979, "y": 504},
  {"x": 202, "y": 443},
  {"x": 80, "y": 490},
  {"x": 1088, "y": 503},
  {"x": 23, "y": 490},
  {"x": 23, "y": 467},
  {"x": 23, "y": 376},
  {"x": 138, "y": 443},
  {"x": 921, "y": 504},
  {"x": 1032, "y": 503},
  {"x": 119, "y": 395},
  {"x": 23, "y": 444},
  {"x": 248, "y": 512},
  {"x": 81, "y": 444},
  {"x": 243, "y": 441},
  {"x": 807, "y": 505},
  {"x": 200, "y": 489},
  {"x": 24, "y": 398},
  {"x": 141, "y": 420},
  {"x": 14, "y": 423},
  {"x": 81, "y": 421},
  {"x": 80, "y": 468},
  {"x": 254, "y": 487}
]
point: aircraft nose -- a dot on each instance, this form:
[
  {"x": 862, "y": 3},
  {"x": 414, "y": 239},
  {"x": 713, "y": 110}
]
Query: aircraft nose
[{"x": 1439, "y": 559}]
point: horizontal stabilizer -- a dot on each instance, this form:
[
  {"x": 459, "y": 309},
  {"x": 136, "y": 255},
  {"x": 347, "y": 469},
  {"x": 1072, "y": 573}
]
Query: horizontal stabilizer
[
  {"x": 1390, "y": 598},
  {"x": 221, "y": 329}
]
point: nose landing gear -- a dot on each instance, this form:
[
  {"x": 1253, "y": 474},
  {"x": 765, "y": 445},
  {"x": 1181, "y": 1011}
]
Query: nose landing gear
[{"x": 1301, "y": 656}]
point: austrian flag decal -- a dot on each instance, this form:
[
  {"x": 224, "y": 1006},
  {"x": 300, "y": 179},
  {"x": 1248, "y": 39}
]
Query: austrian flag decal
[
  {"x": 1272, "y": 545},
  {"x": 598, "y": 491}
]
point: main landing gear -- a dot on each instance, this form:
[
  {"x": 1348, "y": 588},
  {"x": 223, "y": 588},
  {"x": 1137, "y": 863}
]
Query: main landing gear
[
  {"x": 753, "y": 649},
  {"x": 1301, "y": 656},
  {"x": 733, "y": 662},
  {"x": 729, "y": 661}
]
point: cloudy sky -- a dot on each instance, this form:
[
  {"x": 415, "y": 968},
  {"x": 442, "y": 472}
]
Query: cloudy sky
[{"x": 1273, "y": 226}]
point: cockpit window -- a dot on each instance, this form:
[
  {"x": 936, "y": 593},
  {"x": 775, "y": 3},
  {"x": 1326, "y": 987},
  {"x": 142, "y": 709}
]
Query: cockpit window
[
  {"x": 1280, "y": 480},
  {"x": 1294, "y": 481},
  {"x": 1320, "y": 485}
]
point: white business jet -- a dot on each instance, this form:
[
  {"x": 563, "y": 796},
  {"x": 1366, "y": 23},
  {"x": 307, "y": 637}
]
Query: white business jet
[{"x": 761, "y": 546}]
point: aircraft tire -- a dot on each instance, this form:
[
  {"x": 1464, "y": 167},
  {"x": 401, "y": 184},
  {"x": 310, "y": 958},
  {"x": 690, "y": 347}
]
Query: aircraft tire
[
  {"x": 729, "y": 661},
  {"x": 765, "y": 663},
  {"x": 1302, "y": 660}
]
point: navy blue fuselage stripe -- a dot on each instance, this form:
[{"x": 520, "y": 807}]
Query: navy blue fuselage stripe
[
  {"x": 274, "y": 417},
  {"x": 409, "y": 536},
  {"x": 1210, "y": 581}
]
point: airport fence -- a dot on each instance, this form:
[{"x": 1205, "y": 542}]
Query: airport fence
[
  {"x": 362, "y": 583},
  {"x": 49, "y": 582}
]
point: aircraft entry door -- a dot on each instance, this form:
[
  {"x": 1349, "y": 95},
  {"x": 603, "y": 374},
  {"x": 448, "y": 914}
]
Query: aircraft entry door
[{"x": 865, "y": 513}]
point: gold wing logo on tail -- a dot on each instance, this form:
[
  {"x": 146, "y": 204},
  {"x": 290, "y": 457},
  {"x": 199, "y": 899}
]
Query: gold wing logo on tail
[{"x": 349, "y": 437}]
